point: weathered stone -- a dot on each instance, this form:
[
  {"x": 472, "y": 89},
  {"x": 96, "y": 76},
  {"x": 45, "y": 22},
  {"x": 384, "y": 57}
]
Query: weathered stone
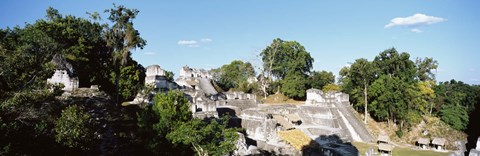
[
  {"x": 474, "y": 152},
  {"x": 478, "y": 144},
  {"x": 241, "y": 145},
  {"x": 62, "y": 77}
]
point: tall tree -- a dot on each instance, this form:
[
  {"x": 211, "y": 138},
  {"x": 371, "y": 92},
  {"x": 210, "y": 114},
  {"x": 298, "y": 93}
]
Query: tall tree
[
  {"x": 234, "y": 75},
  {"x": 397, "y": 73},
  {"x": 425, "y": 67},
  {"x": 121, "y": 38},
  {"x": 288, "y": 59},
  {"x": 320, "y": 79},
  {"x": 363, "y": 74},
  {"x": 394, "y": 64}
]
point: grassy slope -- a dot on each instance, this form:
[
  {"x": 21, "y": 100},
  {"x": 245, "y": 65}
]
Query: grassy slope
[{"x": 279, "y": 98}]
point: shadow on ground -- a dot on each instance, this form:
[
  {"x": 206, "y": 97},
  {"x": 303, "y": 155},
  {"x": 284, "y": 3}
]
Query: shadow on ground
[{"x": 329, "y": 145}]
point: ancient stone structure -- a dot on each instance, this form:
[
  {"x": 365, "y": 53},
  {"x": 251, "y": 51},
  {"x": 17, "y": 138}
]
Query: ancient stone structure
[
  {"x": 156, "y": 77},
  {"x": 475, "y": 151},
  {"x": 324, "y": 117},
  {"x": 240, "y": 96},
  {"x": 187, "y": 72},
  {"x": 316, "y": 96},
  {"x": 64, "y": 74}
]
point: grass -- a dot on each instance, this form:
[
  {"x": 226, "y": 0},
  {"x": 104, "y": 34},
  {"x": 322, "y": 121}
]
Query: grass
[
  {"x": 362, "y": 147},
  {"x": 296, "y": 138},
  {"x": 279, "y": 98}
]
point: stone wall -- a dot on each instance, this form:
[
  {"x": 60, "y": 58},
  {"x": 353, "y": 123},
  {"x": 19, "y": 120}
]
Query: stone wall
[
  {"x": 187, "y": 72},
  {"x": 61, "y": 76},
  {"x": 316, "y": 96},
  {"x": 240, "y": 96}
]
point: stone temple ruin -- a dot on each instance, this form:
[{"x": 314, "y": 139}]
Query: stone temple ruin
[
  {"x": 156, "y": 77},
  {"x": 64, "y": 74},
  {"x": 323, "y": 116},
  {"x": 327, "y": 118}
]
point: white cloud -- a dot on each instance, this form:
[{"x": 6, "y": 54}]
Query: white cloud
[
  {"x": 187, "y": 42},
  {"x": 415, "y": 30},
  {"x": 194, "y": 43},
  {"x": 414, "y": 21},
  {"x": 149, "y": 53},
  {"x": 206, "y": 40},
  {"x": 475, "y": 80}
]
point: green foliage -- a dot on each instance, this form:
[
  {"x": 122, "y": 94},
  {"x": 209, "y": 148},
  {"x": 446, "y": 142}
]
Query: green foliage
[
  {"x": 172, "y": 109},
  {"x": 294, "y": 86},
  {"x": 234, "y": 76},
  {"x": 394, "y": 64},
  {"x": 169, "y": 128},
  {"x": 121, "y": 38},
  {"x": 455, "y": 100},
  {"x": 331, "y": 88},
  {"x": 399, "y": 133},
  {"x": 286, "y": 57},
  {"x": 425, "y": 67},
  {"x": 455, "y": 116},
  {"x": 289, "y": 63},
  {"x": 131, "y": 80},
  {"x": 72, "y": 128},
  {"x": 28, "y": 109},
  {"x": 212, "y": 138},
  {"x": 169, "y": 75},
  {"x": 320, "y": 79}
]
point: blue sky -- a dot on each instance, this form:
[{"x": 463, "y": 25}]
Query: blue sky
[{"x": 210, "y": 33}]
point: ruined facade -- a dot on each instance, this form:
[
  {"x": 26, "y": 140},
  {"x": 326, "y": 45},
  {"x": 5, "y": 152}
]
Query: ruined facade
[
  {"x": 316, "y": 96},
  {"x": 240, "y": 96},
  {"x": 187, "y": 72},
  {"x": 156, "y": 77},
  {"x": 64, "y": 74}
]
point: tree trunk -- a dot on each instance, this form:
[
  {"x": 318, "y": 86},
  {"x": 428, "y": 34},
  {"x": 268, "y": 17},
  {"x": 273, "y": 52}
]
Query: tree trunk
[
  {"x": 117, "y": 87},
  {"x": 366, "y": 101},
  {"x": 431, "y": 107}
]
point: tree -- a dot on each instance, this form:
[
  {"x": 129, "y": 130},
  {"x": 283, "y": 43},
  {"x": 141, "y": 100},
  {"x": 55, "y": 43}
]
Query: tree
[
  {"x": 286, "y": 57},
  {"x": 294, "y": 86},
  {"x": 72, "y": 128},
  {"x": 174, "y": 126},
  {"x": 131, "y": 80},
  {"x": 290, "y": 63},
  {"x": 362, "y": 74},
  {"x": 213, "y": 138},
  {"x": 425, "y": 67},
  {"x": 172, "y": 109},
  {"x": 455, "y": 100},
  {"x": 389, "y": 99},
  {"x": 234, "y": 75},
  {"x": 121, "y": 38},
  {"x": 427, "y": 95},
  {"x": 320, "y": 79},
  {"x": 455, "y": 115},
  {"x": 391, "y": 63}
]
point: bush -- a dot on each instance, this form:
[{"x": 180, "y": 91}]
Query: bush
[
  {"x": 72, "y": 128},
  {"x": 399, "y": 133}
]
